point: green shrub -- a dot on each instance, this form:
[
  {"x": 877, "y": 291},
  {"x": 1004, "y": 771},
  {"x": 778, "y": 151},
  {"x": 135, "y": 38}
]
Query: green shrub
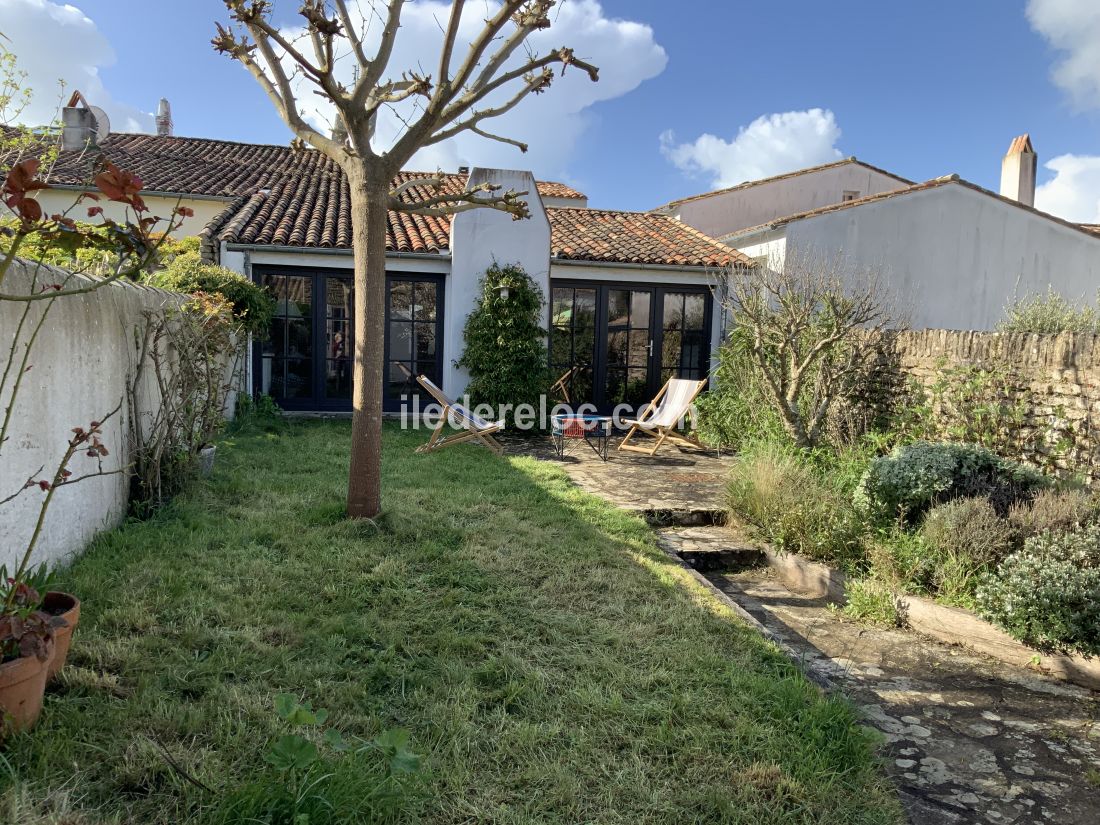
[
  {"x": 1049, "y": 314},
  {"x": 505, "y": 344},
  {"x": 794, "y": 507},
  {"x": 903, "y": 559},
  {"x": 187, "y": 272},
  {"x": 1047, "y": 595},
  {"x": 736, "y": 412},
  {"x": 965, "y": 539},
  {"x": 869, "y": 600},
  {"x": 1054, "y": 511},
  {"x": 916, "y": 476}
]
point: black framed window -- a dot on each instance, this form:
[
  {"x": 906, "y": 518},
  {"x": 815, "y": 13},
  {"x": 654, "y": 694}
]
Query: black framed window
[
  {"x": 414, "y": 335},
  {"x": 573, "y": 340},
  {"x": 685, "y": 335},
  {"x": 286, "y": 363}
]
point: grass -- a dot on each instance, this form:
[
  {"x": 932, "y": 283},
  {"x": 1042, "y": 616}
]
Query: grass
[{"x": 550, "y": 664}]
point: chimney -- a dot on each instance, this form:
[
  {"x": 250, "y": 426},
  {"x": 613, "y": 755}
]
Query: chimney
[
  {"x": 1018, "y": 171},
  {"x": 164, "y": 118},
  {"x": 79, "y": 127}
]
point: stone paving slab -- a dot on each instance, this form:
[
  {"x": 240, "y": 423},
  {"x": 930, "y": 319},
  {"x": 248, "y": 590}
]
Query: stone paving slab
[
  {"x": 675, "y": 487},
  {"x": 968, "y": 739}
]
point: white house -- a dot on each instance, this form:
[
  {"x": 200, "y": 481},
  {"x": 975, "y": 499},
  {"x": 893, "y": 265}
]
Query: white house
[
  {"x": 725, "y": 211},
  {"x": 952, "y": 253},
  {"x": 628, "y": 293}
]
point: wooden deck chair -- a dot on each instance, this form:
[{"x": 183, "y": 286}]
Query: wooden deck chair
[
  {"x": 562, "y": 384},
  {"x": 660, "y": 417},
  {"x": 473, "y": 427}
]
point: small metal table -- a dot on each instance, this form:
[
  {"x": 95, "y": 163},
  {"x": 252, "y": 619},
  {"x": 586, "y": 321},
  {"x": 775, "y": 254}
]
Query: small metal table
[{"x": 594, "y": 430}]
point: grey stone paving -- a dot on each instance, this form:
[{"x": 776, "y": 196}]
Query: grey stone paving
[
  {"x": 676, "y": 486},
  {"x": 968, "y": 739}
]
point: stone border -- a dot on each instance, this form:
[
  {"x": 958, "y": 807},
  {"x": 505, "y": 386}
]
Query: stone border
[
  {"x": 955, "y": 625},
  {"x": 808, "y": 577},
  {"x": 952, "y": 625}
]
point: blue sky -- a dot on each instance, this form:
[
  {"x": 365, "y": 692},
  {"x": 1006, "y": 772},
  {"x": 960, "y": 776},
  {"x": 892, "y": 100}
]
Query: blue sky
[{"x": 922, "y": 89}]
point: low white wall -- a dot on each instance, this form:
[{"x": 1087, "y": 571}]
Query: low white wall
[{"x": 79, "y": 368}]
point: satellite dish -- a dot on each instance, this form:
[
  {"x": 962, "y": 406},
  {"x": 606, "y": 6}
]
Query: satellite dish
[{"x": 102, "y": 122}]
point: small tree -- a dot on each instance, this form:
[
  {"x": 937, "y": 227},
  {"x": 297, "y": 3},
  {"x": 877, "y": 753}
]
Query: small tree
[
  {"x": 491, "y": 76},
  {"x": 808, "y": 325},
  {"x": 505, "y": 342}
]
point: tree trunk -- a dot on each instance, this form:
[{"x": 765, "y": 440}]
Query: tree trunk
[{"x": 369, "y": 190}]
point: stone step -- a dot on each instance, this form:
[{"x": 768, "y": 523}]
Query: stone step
[{"x": 711, "y": 548}]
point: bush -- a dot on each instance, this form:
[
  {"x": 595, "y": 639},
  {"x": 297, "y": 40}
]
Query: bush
[
  {"x": 871, "y": 601},
  {"x": 505, "y": 344},
  {"x": 965, "y": 538},
  {"x": 736, "y": 413},
  {"x": 794, "y": 507},
  {"x": 252, "y": 306},
  {"x": 1050, "y": 314},
  {"x": 916, "y": 476},
  {"x": 1054, "y": 511},
  {"x": 1047, "y": 595}
]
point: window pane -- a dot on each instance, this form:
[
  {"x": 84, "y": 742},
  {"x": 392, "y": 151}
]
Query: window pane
[
  {"x": 561, "y": 306},
  {"x": 401, "y": 379},
  {"x": 639, "y": 347},
  {"x": 424, "y": 309},
  {"x": 338, "y": 378},
  {"x": 401, "y": 340},
  {"x": 670, "y": 355},
  {"x": 639, "y": 309},
  {"x": 299, "y": 378},
  {"x": 338, "y": 300},
  {"x": 425, "y": 342},
  {"x": 617, "y": 347},
  {"x": 559, "y": 346},
  {"x": 401, "y": 299},
  {"x": 694, "y": 311},
  {"x": 585, "y": 308},
  {"x": 674, "y": 310},
  {"x": 637, "y": 386},
  {"x": 299, "y": 337},
  {"x": 618, "y": 307}
]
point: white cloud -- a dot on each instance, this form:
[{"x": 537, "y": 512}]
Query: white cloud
[
  {"x": 55, "y": 42},
  {"x": 770, "y": 145},
  {"x": 1073, "y": 28},
  {"x": 1074, "y": 192},
  {"x": 551, "y": 123}
]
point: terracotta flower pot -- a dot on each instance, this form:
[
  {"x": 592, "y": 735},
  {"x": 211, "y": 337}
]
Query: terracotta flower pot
[
  {"x": 68, "y": 608},
  {"x": 22, "y": 685}
]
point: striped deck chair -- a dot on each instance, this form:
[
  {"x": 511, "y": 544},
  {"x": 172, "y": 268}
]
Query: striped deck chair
[
  {"x": 473, "y": 427},
  {"x": 660, "y": 417}
]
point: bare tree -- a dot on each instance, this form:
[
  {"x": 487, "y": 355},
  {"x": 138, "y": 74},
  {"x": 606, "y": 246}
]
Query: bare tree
[
  {"x": 497, "y": 71},
  {"x": 809, "y": 324}
]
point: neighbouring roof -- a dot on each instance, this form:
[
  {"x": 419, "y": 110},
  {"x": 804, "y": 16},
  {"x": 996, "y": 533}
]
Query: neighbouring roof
[
  {"x": 935, "y": 183},
  {"x": 213, "y": 168},
  {"x": 808, "y": 170},
  {"x": 1094, "y": 228},
  {"x": 316, "y": 213}
]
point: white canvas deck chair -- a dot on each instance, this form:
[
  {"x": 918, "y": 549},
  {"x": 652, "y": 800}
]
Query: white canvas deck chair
[
  {"x": 660, "y": 417},
  {"x": 473, "y": 427}
]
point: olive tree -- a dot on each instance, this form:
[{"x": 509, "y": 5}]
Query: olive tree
[
  {"x": 809, "y": 324},
  {"x": 473, "y": 83}
]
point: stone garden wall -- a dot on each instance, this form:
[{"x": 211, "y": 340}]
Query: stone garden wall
[{"x": 1040, "y": 392}]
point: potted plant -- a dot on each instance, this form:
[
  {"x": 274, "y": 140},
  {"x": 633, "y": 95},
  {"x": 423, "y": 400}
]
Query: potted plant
[{"x": 26, "y": 648}]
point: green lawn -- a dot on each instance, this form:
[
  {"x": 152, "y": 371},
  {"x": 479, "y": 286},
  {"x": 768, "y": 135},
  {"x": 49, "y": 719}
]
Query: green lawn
[{"x": 549, "y": 663}]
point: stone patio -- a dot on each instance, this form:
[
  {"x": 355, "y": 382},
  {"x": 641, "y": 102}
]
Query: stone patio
[{"x": 678, "y": 486}]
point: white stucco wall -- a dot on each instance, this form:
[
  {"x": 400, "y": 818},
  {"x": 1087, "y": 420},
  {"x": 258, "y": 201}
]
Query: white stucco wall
[
  {"x": 81, "y": 362},
  {"x": 61, "y": 201},
  {"x": 955, "y": 257},
  {"x": 479, "y": 238},
  {"x": 722, "y": 213}
]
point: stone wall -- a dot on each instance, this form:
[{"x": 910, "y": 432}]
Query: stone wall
[
  {"x": 82, "y": 362},
  {"x": 1050, "y": 383}
]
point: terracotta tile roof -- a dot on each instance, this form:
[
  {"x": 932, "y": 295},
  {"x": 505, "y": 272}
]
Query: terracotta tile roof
[
  {"x": 935, "y": 183},
  {"x": 633, "y": 238},
  {"x": 1094, "y": 228},
  {"x": 315, "y": 213},
  {"x": 214, "y": 168},
  {"x": 751, "y": 183}
]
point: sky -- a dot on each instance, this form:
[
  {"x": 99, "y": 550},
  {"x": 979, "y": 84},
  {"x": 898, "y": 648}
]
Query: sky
[{"x": 694, "y": 94}]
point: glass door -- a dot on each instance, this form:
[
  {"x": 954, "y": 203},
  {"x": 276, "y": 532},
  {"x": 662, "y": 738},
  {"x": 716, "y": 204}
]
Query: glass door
[
  {"x": 573, "y": 343},
  {"x": 286, "y": 356},
  {"x": 628, "y": 347},
  {"x": 414, "y": 330},
  {"x": 684, "y": 334},
  {"x": 338, "y": 311}
]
